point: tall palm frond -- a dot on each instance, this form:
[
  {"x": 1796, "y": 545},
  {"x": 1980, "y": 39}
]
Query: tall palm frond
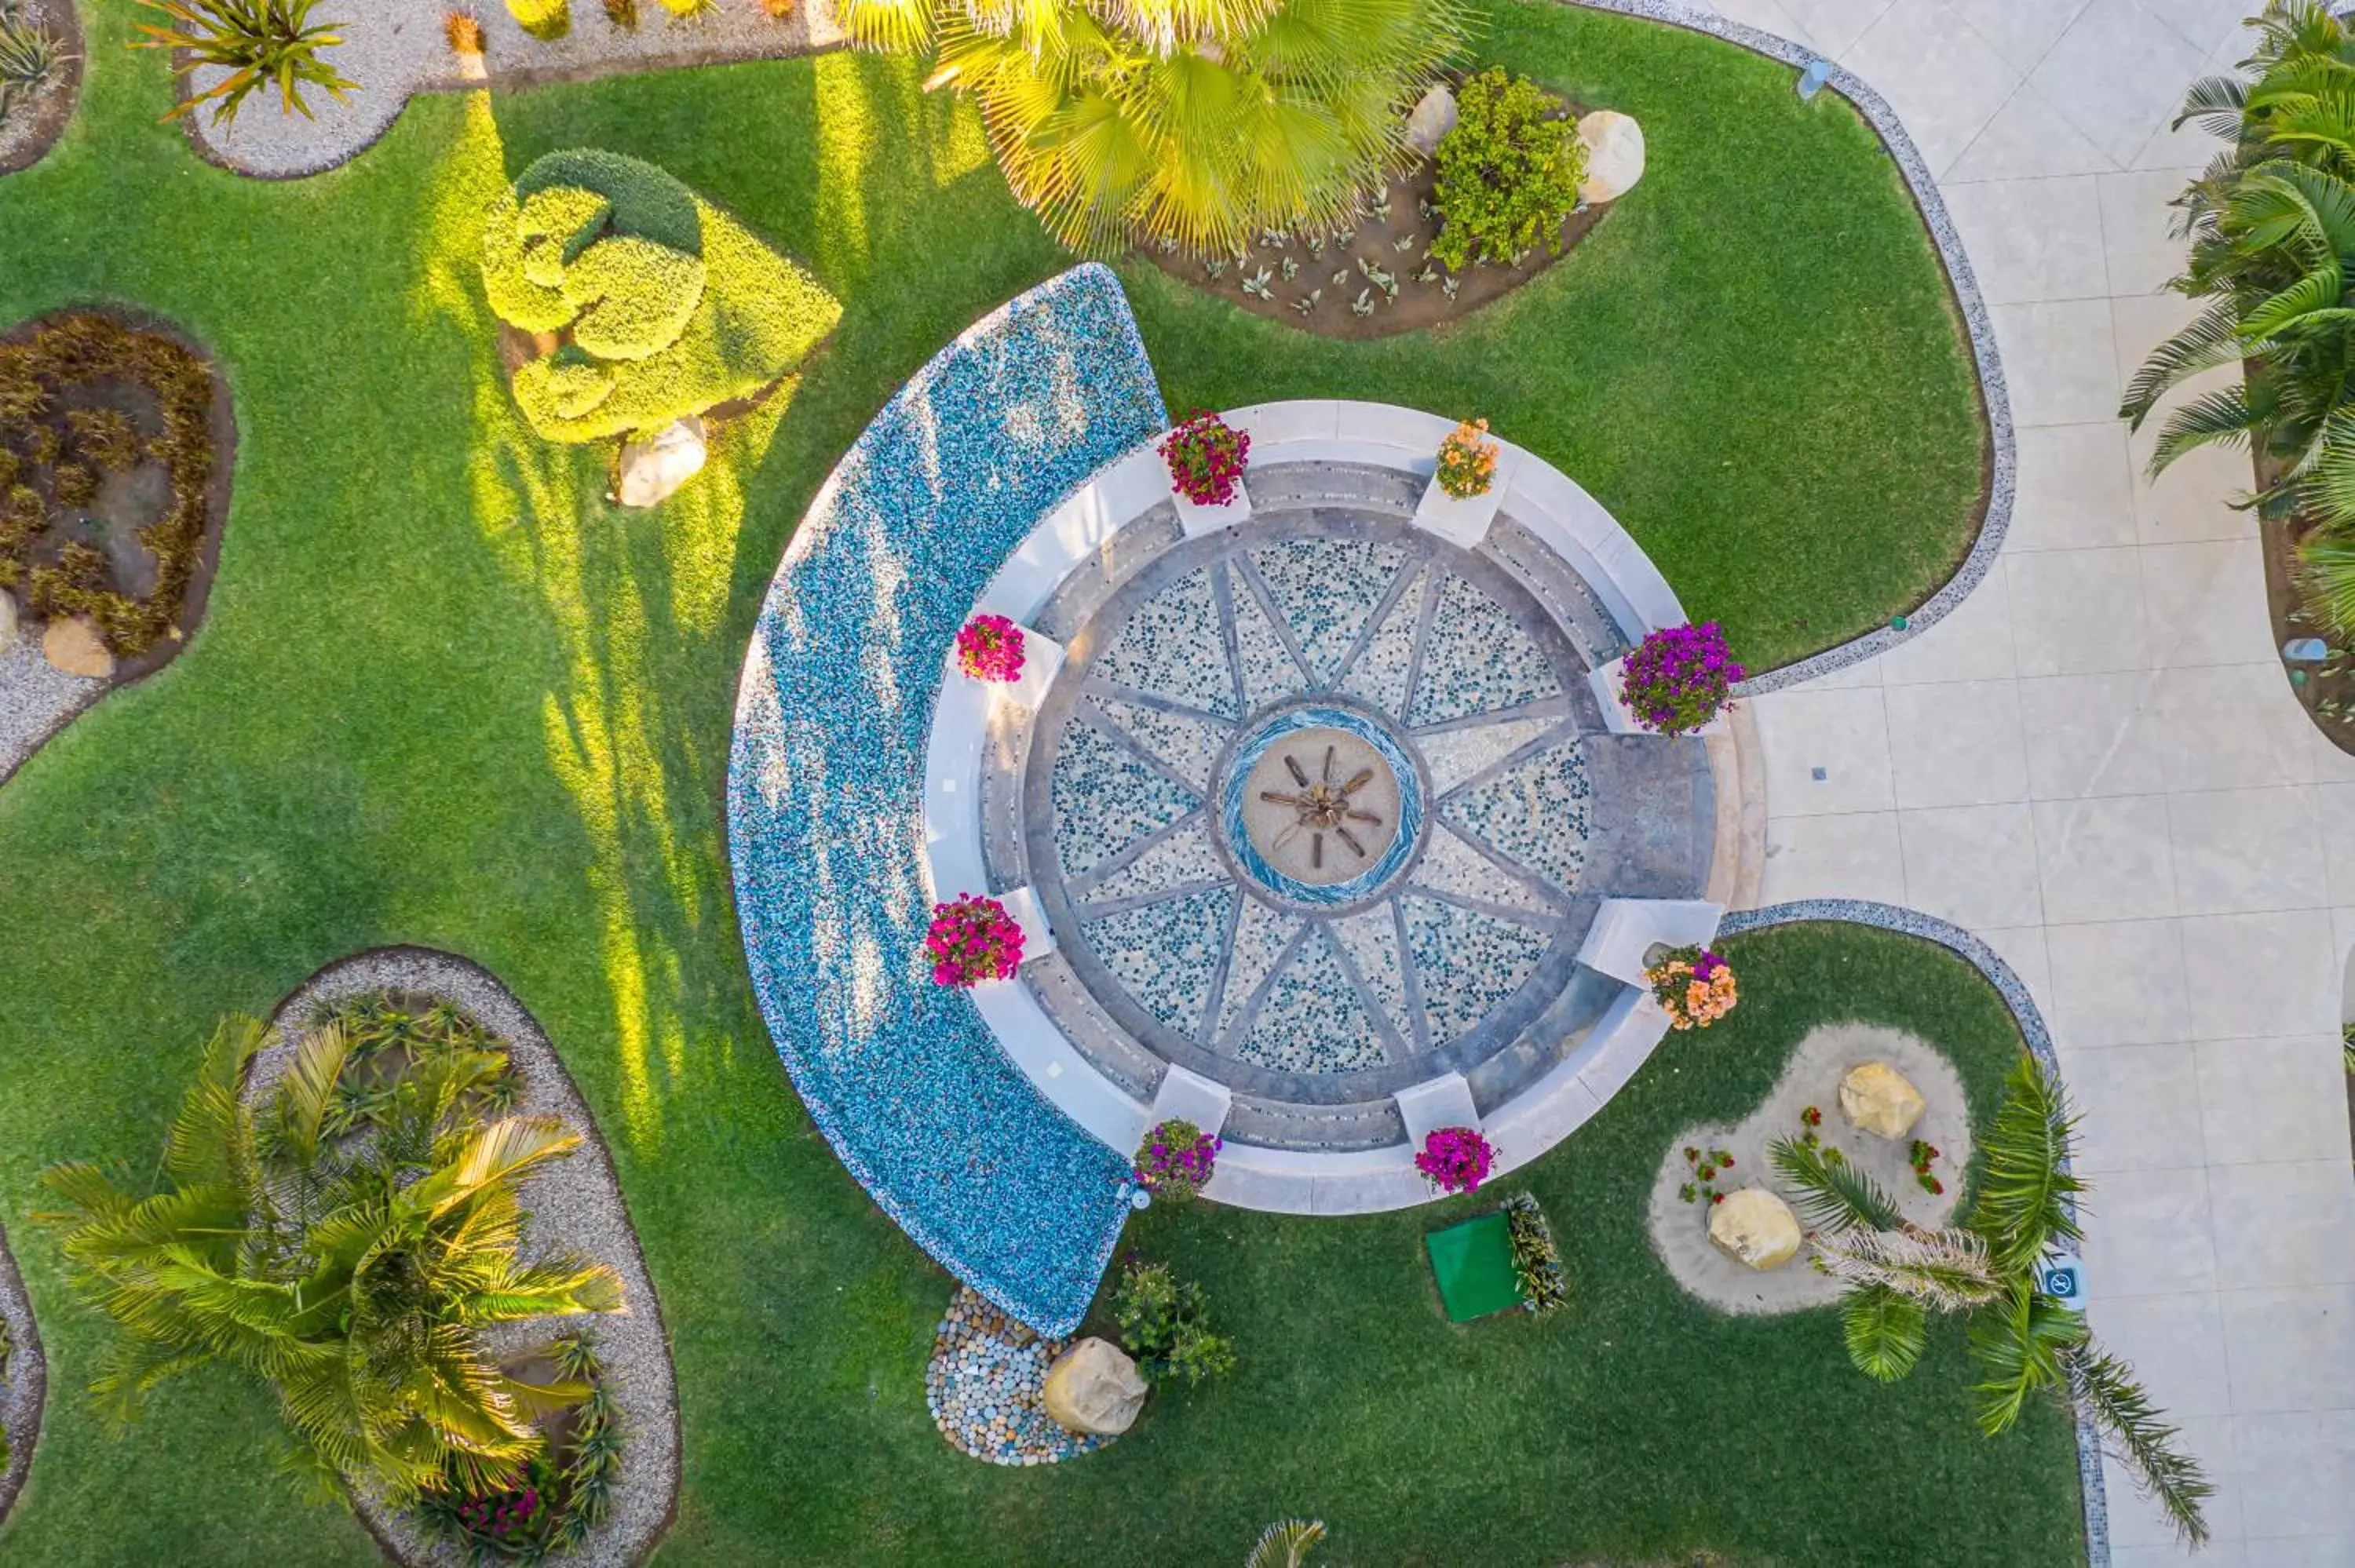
[
  {"x": 2326, "y": 573},
  {"x": 2019, "y": 1342},
  {"x": 1885, "y": 1331},
  {"x": 2027, "y": 1198},
  {"x": 1834, "y": 1195},
  {"x": 1286, "y": 1543},
  {"x": 1949, "y": 1270},
  {"x": 2140, "y": 1439}
]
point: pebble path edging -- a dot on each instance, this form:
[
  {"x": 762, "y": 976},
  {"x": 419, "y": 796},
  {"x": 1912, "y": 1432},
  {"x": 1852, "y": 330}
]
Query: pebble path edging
[
  {"x": 575, "y": 1207},
  {"x": 1962, "y": 945},
  {"x": 23, "y": 1391},
  {"x": 986, "y": 1388}
]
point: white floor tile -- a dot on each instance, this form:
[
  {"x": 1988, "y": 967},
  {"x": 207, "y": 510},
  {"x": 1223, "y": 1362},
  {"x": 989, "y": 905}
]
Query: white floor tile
[
  {"x": 2240, "y": 851},
  {"x": 2060, "y": 361},
  {"x": 1851, "y": 854},
  {"x": 1834, "y": 25},
  {"x": 2076, "y": 489},
  {"x": 2092, "y": 735},
  {"x": 2247, "y": 975},
  {"x": 2295, "y": 1474},
  {"x": 2138, "y": 236},
  {"x": 2149, "y": 1237},
  {"x": 2105, "y": 859},
  {"x": 2207, "y": 602},
  {"x": 1944, "y": 83},
  {"x": 2022, "y": 31},
  {"x": 2232, "y": 727},
  {"x": 1843, "y": 734},
  {"x": 1956, "y": 745},
  {"x": 2117, "y": 983},
  {"x": 2078, "y": 612},
  {"x": 2176, "y": 1346},
  {"x": 1975, "y": 865},
  {"x": 2118, "y": 74},
  {"x": 2140, "y": 1106},
  {"x": 2273, "y": 1100},
  {"x": 1973, "y": 643},
  {"x": 2030, "y": 241},
  {"x": 2028, "y": 138}
]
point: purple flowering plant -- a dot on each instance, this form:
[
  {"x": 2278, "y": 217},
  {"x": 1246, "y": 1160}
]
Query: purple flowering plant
[
  {"x": 989, "y": 647},
  {"x": 1455, "y": 1158},
  {"x": 1679, "y": 679},
  {"x": 1176, "y": 1158}
]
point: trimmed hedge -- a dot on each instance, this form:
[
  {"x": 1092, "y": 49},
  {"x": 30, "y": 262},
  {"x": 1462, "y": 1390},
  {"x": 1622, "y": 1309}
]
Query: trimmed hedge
[{"x": 666, "y": 306}]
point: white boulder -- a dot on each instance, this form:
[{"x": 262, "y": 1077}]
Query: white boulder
[
  {"x": 1615, "y": 155},
  {"x": 654, "y": 468},
  {"x": 1756, "y": 1228},
  {"x": 1879, "y": 1099},
  {"x": 1434, "y": 118}
]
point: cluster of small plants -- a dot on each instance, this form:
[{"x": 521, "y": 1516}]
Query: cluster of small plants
[
  {"x": 972, "y": 938},
  {"x": 462, "y": 30},
  {"x": 1922, "y": 1158},
  {"x": 1205, "y": 457},
  {"x": 1376, "y": 278},
  {"x": 989, "y": 647},
  {"x": 1455, "y": 1158},
  {"x": 1177, "y": 1159},
  {"x": 1694, "y": 985},
  {"x": 1536, "y": 1262},
  {"x": 1509, "y": 172},
  {"x": 1164, "y": 1324},
  {"x": 53, "y": 441},
  {"x": 1679, "y": 678},
  {"x": 404, "y": 1052},
  {"x": 558, "y": 1499},
  {"x": 1705, "y": 1165},
  {"x": 30, "y": 57},
  {"x": 1468, "y": 460}
]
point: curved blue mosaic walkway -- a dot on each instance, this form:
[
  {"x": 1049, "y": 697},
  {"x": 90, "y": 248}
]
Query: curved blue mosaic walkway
[{"x": 824, "y": 793}]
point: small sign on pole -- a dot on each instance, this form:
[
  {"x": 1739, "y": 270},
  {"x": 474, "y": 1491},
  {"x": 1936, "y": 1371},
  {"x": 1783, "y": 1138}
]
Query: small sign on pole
[{"x": 2062, "y": 1276}]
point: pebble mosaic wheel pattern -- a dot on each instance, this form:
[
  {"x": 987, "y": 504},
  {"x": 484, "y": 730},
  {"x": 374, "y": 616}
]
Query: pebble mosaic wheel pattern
[{"x": 1319, "y": 806}]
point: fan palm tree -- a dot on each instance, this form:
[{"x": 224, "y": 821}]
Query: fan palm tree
[
  {"x": 1201, "y": 123},
  {"x": 355, "y": 1275},
  {"x": 2025, "y": 1341}
]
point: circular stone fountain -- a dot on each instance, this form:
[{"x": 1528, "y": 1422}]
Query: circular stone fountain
[{"x": 1319, "y": 812}]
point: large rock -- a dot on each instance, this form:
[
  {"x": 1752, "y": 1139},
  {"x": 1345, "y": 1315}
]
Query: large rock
[
  {"x": 1615, "y": 155},
  {"x": 1878, "y": 1100},
  {"x": 1434, "y": 118},
  {"x": 1094, "y": 1388},
  {"x": 654, "y": 468},
  {"x": 1756, "y": 1228},
  {"x": 74, "y": 646}
]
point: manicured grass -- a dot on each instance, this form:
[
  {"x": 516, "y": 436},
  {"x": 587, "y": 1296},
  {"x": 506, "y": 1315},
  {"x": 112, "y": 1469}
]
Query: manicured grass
[{"x": 446, "y": 696}]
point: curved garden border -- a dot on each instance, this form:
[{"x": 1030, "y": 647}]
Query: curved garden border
[
  {"x": 36, "y": 700},
  {"x": 26, "y": 1388},
  {"x": 577, "y": 1206},
  {"x": 48, "y": 115},
  {"x": 1994, "y": 396},
  {"x": 1964, "y": 945}
]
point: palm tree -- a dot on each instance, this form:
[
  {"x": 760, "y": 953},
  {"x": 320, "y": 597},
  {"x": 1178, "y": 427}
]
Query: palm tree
[
  {"x": 2025, "y": 1341},
  {"x": 1201, "y": 123},
  {"x": 355, "y": 1275}
]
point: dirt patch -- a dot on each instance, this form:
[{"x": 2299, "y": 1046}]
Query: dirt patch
[
  {"x": 1376, "y": 278},
  {"x": 33, "y": 126}
]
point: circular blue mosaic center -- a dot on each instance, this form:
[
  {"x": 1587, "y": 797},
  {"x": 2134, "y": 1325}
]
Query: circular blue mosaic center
[{"x": 1321, "y": 807}]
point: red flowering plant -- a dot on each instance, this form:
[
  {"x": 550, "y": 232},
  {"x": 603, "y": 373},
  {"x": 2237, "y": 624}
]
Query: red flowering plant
[
  {"x": 1706, "y": 1165},
  {"x": 1679, "y": 678},
  {"x": 989, "y": 647},
  {"x": 1455, "y": 1158},
  {"x": 972, "y": 939},
  {"x": 1176, "y": 1158},
  {"x": 1206, "y": 458},
  {"x": 1925, "y": 1155}
]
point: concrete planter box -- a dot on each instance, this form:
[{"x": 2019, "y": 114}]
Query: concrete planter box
[{"x": 1604, "y": 681}]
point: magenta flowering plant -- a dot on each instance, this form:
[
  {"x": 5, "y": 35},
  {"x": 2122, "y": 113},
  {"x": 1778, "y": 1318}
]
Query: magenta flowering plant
[
  {"x": 1176, "y": 1158},
  {"x": 1206, "y": 458},
  {"x": 989, "y": 647},
  {"x": 972, "y": 939},
  {"x": 1455, "y": 1158},
  {"x": 1679, "y": 679}
]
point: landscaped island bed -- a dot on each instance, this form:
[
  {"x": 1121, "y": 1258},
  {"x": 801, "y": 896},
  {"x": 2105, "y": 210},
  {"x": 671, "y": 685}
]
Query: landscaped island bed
[{"x": 446, "y": 695}]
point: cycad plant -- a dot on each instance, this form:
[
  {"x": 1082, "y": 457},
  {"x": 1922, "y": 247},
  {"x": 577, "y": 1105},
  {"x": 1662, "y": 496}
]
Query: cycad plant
[
  {"x": 2025, "y": 1341},
  {"x": 1198, "y": 123},
  {"x": 30, "y": 57},
  {"x": 259, "y": 43},
  {"x": 355, "y": 1274}
]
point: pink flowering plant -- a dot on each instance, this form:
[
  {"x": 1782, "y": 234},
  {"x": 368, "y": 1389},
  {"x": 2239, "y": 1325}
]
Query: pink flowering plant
[
  {"x": 1176, "y": 1159},
  {"x": 1455, "y": 1158},
  {"x": 1679, "y": 679},
  {"x": 989, "y": 647},
  {"x": 972, "y": 939},
  {"x": 1206, "y": 458}
]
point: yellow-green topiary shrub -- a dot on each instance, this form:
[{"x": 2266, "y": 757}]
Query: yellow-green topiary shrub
[
  {"x": 664, "y": 304},
  {"x": 548, "y": 19}
]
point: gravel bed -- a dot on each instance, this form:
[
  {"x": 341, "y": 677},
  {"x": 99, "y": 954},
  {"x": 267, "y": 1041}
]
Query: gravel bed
[
  {"x": 576, "y": 1206},
  {"x": 987, "y": 1388},
  {"x": 1811, "y": 1077},
  {"x": 33, "y": 126},
  {"x": 395, "y": 48},
  {"x": 36, "y": 699},
  {"x": 21, "y": 1392}
]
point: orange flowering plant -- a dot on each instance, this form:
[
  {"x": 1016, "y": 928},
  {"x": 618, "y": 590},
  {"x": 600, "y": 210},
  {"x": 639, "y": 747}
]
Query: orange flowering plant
[
  {"x": 1694, "y": 984},
  {"x": 1468, "y": 460}
]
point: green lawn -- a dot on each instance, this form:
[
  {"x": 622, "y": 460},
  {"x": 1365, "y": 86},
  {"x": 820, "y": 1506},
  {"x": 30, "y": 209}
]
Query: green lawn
[{"x": 446, "y": 696}]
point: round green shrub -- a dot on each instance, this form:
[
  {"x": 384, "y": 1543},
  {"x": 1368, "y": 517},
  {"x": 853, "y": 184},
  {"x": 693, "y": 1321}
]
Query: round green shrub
[
  {"x": 547, "y": 19},
  {"x": 647, "y": 201},
  {"x": 1507, "y": 174},
  {"x": 635, "y": 297}
]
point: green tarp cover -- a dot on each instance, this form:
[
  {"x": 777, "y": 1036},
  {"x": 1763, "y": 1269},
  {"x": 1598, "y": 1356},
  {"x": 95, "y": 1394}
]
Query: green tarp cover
[{"x": 1474, "y": 1264}]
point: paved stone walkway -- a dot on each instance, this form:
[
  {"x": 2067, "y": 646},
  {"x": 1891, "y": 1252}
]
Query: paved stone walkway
[{"x": 2097, "y": 765}]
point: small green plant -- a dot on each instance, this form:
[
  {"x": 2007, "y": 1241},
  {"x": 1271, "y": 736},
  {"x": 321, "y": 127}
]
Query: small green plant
[
  {"x": 1536, "y": 1262},
  {"x": 547, "y": 20},
  {"x": 1164, "y": 1324},
  {"x": 261, "y": 43},
  {"x": 29, "y": 57},
  {"x": 1509, "y": 173},
  {"x": 686, "y": 10},
  {"x": 1706, "y": 1166},
  {"x": 622, "y": 12}
]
